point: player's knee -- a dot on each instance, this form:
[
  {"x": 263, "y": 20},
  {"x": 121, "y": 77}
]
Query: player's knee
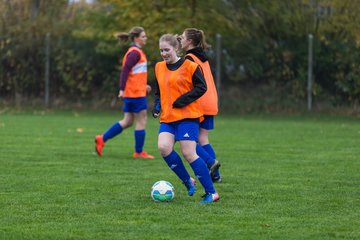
[
  {"x": 126, "y": 123},
  {"x": 140, "y": 125},
  {"x": 189, "y": 155},
  {"x": 164, "y": 148},
  {"x": 203, "y": 140}
]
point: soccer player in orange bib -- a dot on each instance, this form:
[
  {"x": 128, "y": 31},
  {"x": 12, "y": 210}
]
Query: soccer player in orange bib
[
  {"x": 179, "y": 84},
  {"x": 193, "y": 42},
  {"x": 133, "y": 89}
]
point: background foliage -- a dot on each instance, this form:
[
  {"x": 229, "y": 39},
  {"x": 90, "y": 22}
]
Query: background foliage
[{"x": 264, "y": 48}]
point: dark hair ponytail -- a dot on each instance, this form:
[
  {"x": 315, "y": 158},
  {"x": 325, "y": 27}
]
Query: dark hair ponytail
[
  {"x": 124, "y": 37},
  {"x": 197, "y": 37}
]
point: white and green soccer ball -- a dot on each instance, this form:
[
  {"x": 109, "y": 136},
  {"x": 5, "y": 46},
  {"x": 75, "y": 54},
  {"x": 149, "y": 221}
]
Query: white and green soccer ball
[{"x": 162, "y": 191}]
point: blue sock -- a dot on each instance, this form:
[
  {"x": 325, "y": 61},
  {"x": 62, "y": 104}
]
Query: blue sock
[
  {"x": 204, "y": 155},
  {"x": 208, "y": 148},
  {"x": 174, "y": 161},
  {"x": 202, "y": 173},
  {"x": 112, "y": 132},
  {"x": 139, "y": 140}
]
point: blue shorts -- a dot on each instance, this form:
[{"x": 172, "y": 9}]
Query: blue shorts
[
  {"x": 208, "y": 122},
  {"x": 183, "y": 130},
  {"x": 135, "y": 104}
]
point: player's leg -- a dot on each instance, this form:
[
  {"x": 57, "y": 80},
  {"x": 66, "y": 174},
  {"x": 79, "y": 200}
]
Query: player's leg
[
  {"x": 113, "y": 131},
  {"x": 126, "y": 122},
  {"x": 188, "y": 148},
  {"x": 210, "y": 157},
  {"x": 187, "y": 134},
  {"x": 209, "y": 160},
  {"x": 139, "y": 134},
  {"x": 212, "y": 164},
  {"x": 166, "y": 141}
]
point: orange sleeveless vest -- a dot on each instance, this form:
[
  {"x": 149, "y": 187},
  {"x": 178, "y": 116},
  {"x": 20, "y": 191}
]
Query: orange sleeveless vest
[
  {"x": 137, "y": 79},
  {"x": 208, "y": 101},
  {"x": 173, "y": 84}
]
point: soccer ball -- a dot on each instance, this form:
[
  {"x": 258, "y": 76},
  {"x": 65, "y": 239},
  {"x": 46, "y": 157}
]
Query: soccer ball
[{"x": 162, "y": 191}]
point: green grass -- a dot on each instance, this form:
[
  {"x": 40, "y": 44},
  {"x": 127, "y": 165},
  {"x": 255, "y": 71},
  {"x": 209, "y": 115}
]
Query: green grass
[{"x": 284, "y": 178}]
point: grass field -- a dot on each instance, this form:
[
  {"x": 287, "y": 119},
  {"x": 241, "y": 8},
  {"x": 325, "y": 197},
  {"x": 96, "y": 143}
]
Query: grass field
[{"x": 283, "y": 178}]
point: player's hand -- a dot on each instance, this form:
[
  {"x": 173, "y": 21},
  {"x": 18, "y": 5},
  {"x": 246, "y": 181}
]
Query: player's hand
[
  {"x": 121, "y": 94},
  {"x": 157, "y": 109},
  {"x": 155, "y": 113},
  {"x": 148, "y": 89}
]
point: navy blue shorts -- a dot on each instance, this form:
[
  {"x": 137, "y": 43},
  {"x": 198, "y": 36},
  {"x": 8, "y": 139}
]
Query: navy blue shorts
[
  {"x": 208, "y": 122},
  {"x": 183, "y": 130},
  {"x": 135, "y": 104}
]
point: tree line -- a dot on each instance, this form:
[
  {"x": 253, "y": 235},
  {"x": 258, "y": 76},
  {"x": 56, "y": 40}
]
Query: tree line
[{"x": 264, "y": 56}]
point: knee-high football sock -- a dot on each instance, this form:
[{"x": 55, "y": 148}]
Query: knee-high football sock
[
  {"x": 202, "y": 173},
  {"x": 174, "y": 161},
  {"x": 208, "y": 148},
  {"x": 209, "y": 160},
  {"x": 139, "y": 140},
  {"x": 112, "y": 132}
]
